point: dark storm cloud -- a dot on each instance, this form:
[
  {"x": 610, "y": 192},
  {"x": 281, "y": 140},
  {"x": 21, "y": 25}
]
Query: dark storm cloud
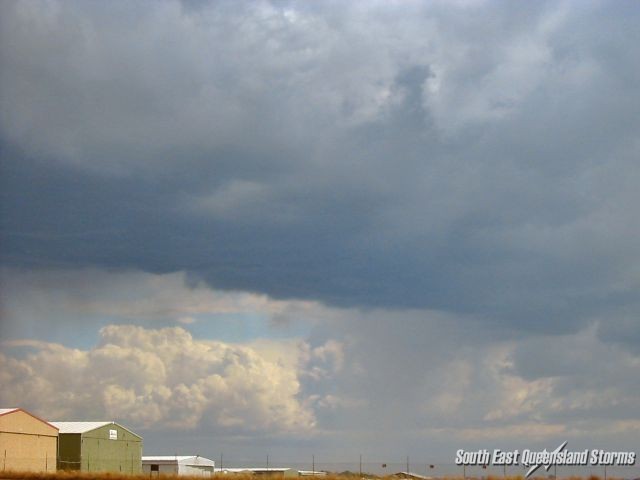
[{"x": 476, "y": 159}]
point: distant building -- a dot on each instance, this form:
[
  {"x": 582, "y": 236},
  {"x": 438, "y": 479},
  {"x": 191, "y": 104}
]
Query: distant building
[
  {"x": 98, "y": 447},
  {"x": 271, "y": 471},
  {"x": 27, "y": 443},
  {"x": 178, "y": 465},
  {"x": 411, "y": 476}
]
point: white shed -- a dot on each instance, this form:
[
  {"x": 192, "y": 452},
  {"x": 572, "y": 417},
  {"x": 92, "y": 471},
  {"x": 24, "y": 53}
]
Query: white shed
[{"x": 193, "y": 465}]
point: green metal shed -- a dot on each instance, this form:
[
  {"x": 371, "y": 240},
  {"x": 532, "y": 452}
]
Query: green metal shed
[{"x": 98, "y": 447}]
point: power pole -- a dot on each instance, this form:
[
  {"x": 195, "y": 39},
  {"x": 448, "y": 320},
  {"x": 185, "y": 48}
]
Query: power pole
[
  {"x": 407, "y": 464},
  {"x": 361, "y": 468},
  {"x": 313, "y": 464}
]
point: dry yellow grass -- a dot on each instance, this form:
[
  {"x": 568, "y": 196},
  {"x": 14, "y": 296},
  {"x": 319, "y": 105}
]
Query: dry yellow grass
[{"x": 74, "y": 475}]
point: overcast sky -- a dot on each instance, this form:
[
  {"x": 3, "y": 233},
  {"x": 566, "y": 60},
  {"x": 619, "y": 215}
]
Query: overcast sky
[{"x": 388, "y": 228}]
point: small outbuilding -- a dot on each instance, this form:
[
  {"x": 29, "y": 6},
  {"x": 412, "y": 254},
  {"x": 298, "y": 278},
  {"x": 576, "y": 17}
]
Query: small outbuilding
[
  {"x": 98, "y": 447},
  {"x": 27, "y": 443},
  {"x": 411, "y": 476},
  {"x": 273, "y": 472},
  {"x": 192, "y": 465}
]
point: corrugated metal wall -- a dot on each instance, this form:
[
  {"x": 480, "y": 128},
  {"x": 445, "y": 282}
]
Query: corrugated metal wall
[
  {"x": 26, "y": 443},
  {"x": 110, "y": 448}
]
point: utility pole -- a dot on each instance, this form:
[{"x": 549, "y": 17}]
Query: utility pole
[
  {"x": 407, "y": 464},
  {"x": 267, "y": 461},
  {"x": 313, "y": 464},
  {"x": 361, "y": 468}
]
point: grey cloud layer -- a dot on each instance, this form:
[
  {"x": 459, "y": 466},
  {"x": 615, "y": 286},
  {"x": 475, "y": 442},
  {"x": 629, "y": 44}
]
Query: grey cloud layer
[
  {"x": 384, "y": 381},
  {"x": 478, "y": 159}
]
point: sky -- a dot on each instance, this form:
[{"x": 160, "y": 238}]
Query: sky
[{"x": 323, "y": 228}]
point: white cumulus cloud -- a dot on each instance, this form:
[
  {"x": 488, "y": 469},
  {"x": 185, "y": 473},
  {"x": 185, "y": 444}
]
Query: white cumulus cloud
[{"x": 157, "y": 378}]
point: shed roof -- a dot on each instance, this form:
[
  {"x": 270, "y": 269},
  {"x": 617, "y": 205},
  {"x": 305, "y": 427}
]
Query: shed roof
[
  {"x": 5, "y": 411},
  {"x": 165, "y": 458},
  {"x": 181, "y": 459},
  {"x": 79, "y": 427},
  {"x": 254, "y": 469},
  {"x": 411, "y": 475},
  {"x": 84, "y": 427}
]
